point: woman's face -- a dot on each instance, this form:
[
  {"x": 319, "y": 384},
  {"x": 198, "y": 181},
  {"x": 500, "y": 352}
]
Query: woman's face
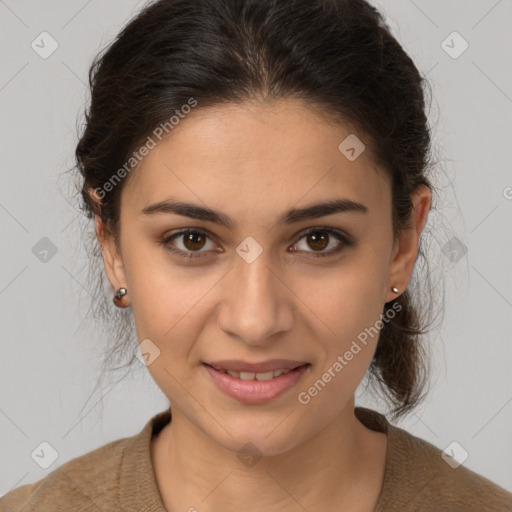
[{"x": 258, "y": 288}]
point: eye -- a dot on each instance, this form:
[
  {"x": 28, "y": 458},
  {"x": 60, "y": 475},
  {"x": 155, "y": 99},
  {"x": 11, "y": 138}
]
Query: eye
[
  {"x": 194, "y": 240},
  {"x": 320, "y": 238}
]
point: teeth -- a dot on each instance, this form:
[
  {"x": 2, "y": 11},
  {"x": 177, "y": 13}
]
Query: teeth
[
  {"x": 265, "y": 376},
  {"x": 247, "y": 375},
  {"x": 255, "y": 376}
]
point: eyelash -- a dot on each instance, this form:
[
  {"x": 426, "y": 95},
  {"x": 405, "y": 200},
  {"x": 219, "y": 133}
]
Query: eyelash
[{"x": 338, "y": 235}]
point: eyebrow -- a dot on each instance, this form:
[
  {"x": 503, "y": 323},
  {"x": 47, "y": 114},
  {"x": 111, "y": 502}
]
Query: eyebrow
[{"x": 290, "y": 216}]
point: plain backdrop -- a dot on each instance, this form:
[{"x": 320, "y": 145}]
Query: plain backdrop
[{"x": 50, "y": 356}]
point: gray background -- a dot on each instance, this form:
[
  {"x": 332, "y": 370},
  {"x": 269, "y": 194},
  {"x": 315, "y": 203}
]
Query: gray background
[{"x": 51, "y": 354}]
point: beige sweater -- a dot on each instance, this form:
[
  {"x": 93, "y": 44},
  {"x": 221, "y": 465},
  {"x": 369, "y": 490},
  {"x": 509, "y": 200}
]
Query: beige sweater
[{"x": 119, "y": 477}]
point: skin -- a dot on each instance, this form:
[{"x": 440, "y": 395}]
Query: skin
[{"x": 252, "y": 162}]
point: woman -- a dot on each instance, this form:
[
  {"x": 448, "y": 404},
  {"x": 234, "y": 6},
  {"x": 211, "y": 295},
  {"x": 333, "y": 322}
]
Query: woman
[{"x": 257, "y": 174}]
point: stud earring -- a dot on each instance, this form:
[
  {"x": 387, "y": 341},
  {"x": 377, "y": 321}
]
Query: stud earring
[
  {"x": 394, "y": 289},
  {"x": 118, "y": 296}
]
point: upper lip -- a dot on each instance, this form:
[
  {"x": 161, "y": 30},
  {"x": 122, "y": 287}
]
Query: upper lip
[{"x": 262, "y": 367}]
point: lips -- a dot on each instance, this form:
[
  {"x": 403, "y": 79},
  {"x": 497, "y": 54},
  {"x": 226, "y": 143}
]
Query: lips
[{"x": 256, "y": 387}]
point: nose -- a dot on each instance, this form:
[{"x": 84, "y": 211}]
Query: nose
[{"x": 257, "y": 304}]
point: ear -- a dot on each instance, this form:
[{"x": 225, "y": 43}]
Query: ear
[
  {"x": 405, "y": 250},
  {"x": 114, "y": 267}
]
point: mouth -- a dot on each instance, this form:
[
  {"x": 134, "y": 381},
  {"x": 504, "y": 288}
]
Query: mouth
[
  {"x": 270, "y": 365},
  {"x": 255, "y": 376},
  {"x": 255, "y": 383}
]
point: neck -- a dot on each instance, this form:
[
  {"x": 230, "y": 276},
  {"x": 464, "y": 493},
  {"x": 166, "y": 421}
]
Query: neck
[{"x": 332, "y": 468}]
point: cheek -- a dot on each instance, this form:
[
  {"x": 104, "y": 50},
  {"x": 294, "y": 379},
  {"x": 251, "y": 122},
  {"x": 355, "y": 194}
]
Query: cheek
[
  {"x": 350, "y": 303},
  {"x": 167, "y": 303},
  {"x": 346, "y": 356},
  {"x": 162, "y": 293},
  {"x": 352, "y": 297}
]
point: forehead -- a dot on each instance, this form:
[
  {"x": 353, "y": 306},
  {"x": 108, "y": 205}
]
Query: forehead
[{"x": 256, "y": 156}]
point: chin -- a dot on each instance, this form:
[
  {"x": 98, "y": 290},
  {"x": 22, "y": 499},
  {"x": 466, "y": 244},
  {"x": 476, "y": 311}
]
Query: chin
[{"x": 261, "y": 436}]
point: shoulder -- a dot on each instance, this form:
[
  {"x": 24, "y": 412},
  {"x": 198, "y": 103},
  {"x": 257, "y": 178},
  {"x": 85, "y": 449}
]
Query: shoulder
[
  {"x": 87, "y": 483},
  {"x": 437, "y": 481},
  {"x": 419, "y": 477}
]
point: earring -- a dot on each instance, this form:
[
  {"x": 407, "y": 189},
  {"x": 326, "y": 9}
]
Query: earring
[
  {"x": 394, "y": 289},
  {"x": 118, "y": 297}
]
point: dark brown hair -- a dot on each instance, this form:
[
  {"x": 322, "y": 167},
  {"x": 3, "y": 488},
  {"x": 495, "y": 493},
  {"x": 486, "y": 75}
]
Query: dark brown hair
[{"x": 337, "y": 55}]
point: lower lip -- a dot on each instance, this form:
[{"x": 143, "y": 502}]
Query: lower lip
[{"x": 255, "y": 391}]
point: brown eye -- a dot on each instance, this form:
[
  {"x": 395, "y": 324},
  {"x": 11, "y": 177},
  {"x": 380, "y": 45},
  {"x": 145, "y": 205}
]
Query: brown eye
[
  {"x": 193, "y": 241},
  {"x": 318, "y": 239},
  {"x": 318, "y": 242},
  {"x": 188, "y": 243}
]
